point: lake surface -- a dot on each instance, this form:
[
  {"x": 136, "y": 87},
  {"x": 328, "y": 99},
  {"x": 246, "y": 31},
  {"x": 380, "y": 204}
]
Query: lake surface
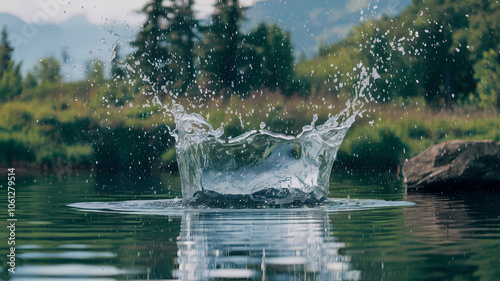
[{"x": 453, "y": 236}]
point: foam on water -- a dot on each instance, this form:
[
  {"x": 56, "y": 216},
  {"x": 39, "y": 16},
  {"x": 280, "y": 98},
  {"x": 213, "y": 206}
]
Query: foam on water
[{"x": 177, "y": 207}]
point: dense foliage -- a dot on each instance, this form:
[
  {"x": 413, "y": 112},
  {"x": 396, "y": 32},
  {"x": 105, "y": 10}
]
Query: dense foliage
[{"x": 443, "y": 51}]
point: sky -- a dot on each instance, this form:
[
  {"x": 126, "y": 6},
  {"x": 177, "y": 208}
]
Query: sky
[{"x": 96, "y": 11}]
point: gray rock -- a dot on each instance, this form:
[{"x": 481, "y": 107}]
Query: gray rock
[{"x": 456, "y": 161}]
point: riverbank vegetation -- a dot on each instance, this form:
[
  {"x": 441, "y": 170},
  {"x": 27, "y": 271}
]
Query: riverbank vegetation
[{"x": 435, "y": 70}]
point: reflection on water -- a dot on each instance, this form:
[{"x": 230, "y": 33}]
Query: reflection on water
[
  {"x": 253, "y": 244},
  {"x": 143, "y": 234},
  {"x": 456, "y": 233}
]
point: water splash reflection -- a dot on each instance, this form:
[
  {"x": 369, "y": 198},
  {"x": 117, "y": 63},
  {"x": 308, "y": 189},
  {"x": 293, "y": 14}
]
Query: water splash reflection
[
  {"x": 253, "y": 244},
  {"x": 257, "y": 245}
]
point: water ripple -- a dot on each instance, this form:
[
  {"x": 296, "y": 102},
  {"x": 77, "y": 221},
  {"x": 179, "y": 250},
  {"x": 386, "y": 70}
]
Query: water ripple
[{"x": 176, "y": 207}]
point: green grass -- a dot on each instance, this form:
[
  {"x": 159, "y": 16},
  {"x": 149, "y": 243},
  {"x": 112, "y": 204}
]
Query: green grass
[{"x": 64, "y": 125}]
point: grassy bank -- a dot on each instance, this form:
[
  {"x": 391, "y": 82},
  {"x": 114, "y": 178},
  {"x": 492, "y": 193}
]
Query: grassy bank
[{"x": 73, "y": 127}]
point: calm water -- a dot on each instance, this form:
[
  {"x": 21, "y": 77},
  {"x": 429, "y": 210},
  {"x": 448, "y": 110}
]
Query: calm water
[{"x": 441, "y": 237}]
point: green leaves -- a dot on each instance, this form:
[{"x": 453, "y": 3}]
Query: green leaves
[
  {"x": 487, "y": 74},
  {"x": 11, "y": 82},
  {"x": 47, "y": 71},
  {"x": 10, "y": 77}
]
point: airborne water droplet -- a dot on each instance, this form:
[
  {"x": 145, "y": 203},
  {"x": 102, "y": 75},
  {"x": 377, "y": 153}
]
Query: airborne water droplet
[{"x": 262, "y": 125}]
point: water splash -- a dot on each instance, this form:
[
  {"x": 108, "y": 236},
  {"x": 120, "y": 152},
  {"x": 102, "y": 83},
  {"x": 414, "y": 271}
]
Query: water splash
[
  {"x": 261, "y": 166},
  {"x": 178, "y": 207}
]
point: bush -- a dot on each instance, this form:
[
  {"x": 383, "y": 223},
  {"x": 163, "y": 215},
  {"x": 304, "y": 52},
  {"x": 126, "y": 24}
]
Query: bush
[{"x": 372, "y": 149}]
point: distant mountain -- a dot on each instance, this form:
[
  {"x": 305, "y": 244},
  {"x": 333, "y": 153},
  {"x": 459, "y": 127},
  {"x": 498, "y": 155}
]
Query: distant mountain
[
  {"x": 73, "y": 42},
  {"x": 77, "y": 41}
]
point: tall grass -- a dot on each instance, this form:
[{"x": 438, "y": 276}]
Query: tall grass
[{"x": 67, "y": 126}]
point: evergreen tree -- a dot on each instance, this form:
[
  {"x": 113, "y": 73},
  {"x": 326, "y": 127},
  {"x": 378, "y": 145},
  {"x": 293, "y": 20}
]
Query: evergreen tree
[
  {"x": 182, "y": 33},
  {"x": 5, "y": 52},
  {"x": 10, "y": 82},
  {"x": 302, "y": 56},
  {"x": 271, "y": 57},
  {"x": 10, "y": 76},
  {"x": 223, "y": 47},
  {"x": 255, "y": 48},
  {"x": 279, "y": 62},
  {"x": 151, "y": 60},
  {"x": 30, "y": 81}
]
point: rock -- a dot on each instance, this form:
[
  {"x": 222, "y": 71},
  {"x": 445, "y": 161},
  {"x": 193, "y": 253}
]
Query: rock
[{"x": 453, "y": 162}]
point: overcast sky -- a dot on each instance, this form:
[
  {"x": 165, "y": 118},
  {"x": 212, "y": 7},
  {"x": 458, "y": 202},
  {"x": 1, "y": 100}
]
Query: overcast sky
[
  {"x": 96, "y": 11},
  {"x": 55, "y": 28}
]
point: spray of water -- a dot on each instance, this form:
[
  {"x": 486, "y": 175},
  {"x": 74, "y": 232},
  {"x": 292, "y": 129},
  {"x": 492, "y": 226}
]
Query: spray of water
[{"x": 261, "y": 166}]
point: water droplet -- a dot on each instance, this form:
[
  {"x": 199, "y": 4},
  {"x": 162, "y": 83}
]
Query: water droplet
[
  {"x": 315, "y": 118},
  {"x": 262, "y": 125}
]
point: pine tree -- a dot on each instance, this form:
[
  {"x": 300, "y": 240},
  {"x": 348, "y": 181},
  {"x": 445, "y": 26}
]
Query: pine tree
[
  {"x": 271, "y": 55},
  {"x": 10, "y": 82},
  {"x": 255, "y": 53},
  {"x": 5, "y": 52},
  {"x": 444, "y": 73},
  {"x": 223, "y": 47},
  {"x": 10, "y": 76},
  {"x": 279, "y": 63},
  {"x": 182, "y": 33},
  {"x": 151, "y": 60},
  {"x": 30, "y": 81}
]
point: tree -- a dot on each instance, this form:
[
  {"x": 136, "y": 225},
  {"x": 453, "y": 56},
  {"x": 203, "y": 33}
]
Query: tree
[
  {"x": 30, "y": 81},
  {"x": 96, "y": 71},
  {"x": 10, "y": 82},
  {"x": 271, "y": 55},
  {"x": 482, "y": 32},
  {"x": 151, "y": 60},
  {"x": 223, "y": 47},
  {"x": 254, "y": 49},
  {"x": 487, "y": 74},
  {"x": 5, "y": 52},
  {"x": 182, "y": 33},
  {"x": 47, "y": 71},
  {"x": 279, "y": 59},
  {"x": 444, "y": 72},
  {"x": 10, "y": 77}
]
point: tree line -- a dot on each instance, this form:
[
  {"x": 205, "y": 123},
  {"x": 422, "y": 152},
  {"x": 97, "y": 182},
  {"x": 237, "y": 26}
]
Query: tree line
[
  {"x": 446, "y": 52},
  {"x": 443, "y": 51},
  {"x": 178, "y": 52}
]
